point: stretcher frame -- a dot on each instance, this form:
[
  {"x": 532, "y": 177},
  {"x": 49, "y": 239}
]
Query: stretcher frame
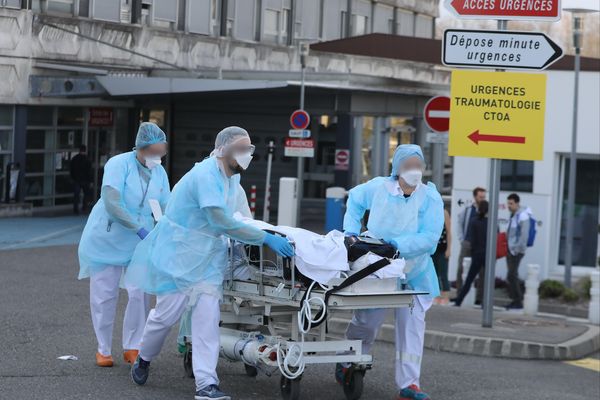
[{"x": 273, "y": 302}]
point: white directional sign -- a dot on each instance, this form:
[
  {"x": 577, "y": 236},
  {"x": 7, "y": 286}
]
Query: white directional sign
[
  {"x": 498, "y": 49},
  {"x": 299, "y": 133}
]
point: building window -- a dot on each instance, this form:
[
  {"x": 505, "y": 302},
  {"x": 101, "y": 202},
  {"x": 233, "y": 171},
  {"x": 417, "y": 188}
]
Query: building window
[
  {"x": 199, "y": 17},
  {"x": 110, "y": 10},
  {"x": 53, "y": 138},
  {"x": 360, "y": 25},
  {"x": 516, "y": 176},
  {"x": 424, "y": 26},
  {"x": 587, "y": 212},
  {"x": 84, "y": 8},
  {"x": 60, "y": 6},
  {"x": 405, "y": 23},
  {"x": 165, "y": 10},
  {"x": 271, "y": 24},
  {"x": 11, "y": 4}
]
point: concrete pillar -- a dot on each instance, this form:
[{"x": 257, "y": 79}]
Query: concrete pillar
[
  {"x": 594, "y": 310},
  {"x": 344, "y": 140},
  {"x": 532, "y": 283}
]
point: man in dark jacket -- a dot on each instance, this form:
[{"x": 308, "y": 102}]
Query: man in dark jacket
[
  {"x": 477, "y": 233},
  {"x": 81, "y": 175}
]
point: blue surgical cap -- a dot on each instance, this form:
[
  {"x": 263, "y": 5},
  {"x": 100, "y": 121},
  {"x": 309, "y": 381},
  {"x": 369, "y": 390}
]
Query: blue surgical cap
[
  {"x": 148, "y": 134},
  {"x": 403, "y": 152}
]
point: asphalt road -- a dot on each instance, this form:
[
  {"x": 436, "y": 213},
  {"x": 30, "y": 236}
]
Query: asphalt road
[{"x": 44, "y": 313}]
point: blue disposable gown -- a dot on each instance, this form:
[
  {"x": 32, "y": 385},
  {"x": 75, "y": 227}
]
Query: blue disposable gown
[
  {"x": 413, "y": 225},
  {"x": 109, "y": 240},
  {"x": 187, "y": 250}
]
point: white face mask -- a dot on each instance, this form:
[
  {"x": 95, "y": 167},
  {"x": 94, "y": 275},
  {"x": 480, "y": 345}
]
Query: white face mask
[
  {"x": 152, "y": 162},
  {"x": 243, "y": 160},
  {"x": 412, "y": 177}
]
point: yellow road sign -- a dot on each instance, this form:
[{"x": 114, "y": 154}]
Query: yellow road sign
[{"x": 497, "y": 115}]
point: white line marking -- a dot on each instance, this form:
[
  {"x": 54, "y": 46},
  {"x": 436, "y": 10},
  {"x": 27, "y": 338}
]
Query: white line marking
[
  {"x": 43, "y": 237},
  {"x": 439, "y": 114}
]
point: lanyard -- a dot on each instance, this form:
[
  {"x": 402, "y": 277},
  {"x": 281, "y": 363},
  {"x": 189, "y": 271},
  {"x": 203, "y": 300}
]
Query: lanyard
[{"x": 144, "y": 191}]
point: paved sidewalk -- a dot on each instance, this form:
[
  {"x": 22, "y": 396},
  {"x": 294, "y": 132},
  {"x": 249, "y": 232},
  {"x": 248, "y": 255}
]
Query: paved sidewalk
[
  {"x": 514, "y": 335},
  {"x": 29, "y": 232}
]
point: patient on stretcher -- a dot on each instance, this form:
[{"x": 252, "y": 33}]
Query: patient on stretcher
[{"x": 324, "y": 258}]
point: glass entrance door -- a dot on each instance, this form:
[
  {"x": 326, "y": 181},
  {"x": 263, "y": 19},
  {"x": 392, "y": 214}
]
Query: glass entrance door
[
  {"x": 587, "y": 215},
  {"x": 99, "y": 141}
]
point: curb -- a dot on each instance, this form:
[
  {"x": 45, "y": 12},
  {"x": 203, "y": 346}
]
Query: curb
[{"x": 578, "y": 347}]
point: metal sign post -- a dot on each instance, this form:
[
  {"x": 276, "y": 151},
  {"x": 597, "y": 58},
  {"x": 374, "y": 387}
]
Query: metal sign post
[
  {"x": 489, "y": 281},
  {"x": 303, "y": 54},
  {"x": 267, "y": 205}
]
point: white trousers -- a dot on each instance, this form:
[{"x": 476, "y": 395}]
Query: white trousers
[
  {"x": 410, "y": 336},
  {"x": 104, "y": 295},
  {"x": 206, "y": 316}
]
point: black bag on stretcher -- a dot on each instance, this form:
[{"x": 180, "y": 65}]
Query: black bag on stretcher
[{"x": 357, "y": 247}]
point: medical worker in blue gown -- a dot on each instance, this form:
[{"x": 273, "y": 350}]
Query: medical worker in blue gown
[
  {"x": 409, "y": 215},
  {"x": 184, "y": 258},
  {"x": 119, "y": 221}
]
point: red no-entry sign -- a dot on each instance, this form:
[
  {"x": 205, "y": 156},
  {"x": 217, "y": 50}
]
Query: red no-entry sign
[
  {"x": 437, "y": 114},
  {"x": 342, "y": 159}
]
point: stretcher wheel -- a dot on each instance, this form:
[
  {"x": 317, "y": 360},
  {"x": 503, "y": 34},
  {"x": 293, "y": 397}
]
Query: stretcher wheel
[
  {"x": 290, "y": 388},
  {"x": 187, "y": 363},
  {"x": 250, "y": 370},
  {"x": 353, "y": 387}
]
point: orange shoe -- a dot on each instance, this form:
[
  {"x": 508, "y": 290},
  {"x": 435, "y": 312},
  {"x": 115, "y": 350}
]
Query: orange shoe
[
  {"x": 104, "y": 361},
  {"x": 130, "y": 356}
]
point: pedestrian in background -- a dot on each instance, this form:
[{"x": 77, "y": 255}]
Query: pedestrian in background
[
  {"x": 440, "y": 261},
  {"x": 477, "y": 233},
  {"x": 464, "y": 219},
  {"x": 517, "y": 235},
  {"x": 81, "y": 176}
]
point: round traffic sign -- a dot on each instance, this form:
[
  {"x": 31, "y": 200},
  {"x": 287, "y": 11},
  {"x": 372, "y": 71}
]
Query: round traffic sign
[
  {"x": 342, "y": 157},
  {"x": 437, "y": 114},
  {"x": 299, "y": 119}
]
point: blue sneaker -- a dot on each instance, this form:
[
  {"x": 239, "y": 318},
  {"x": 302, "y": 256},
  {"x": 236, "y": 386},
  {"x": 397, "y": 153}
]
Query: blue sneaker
[
  {"x": 211, "y": 392},
  {"x": 412, "y": 393},
  {"x": 140, "y": 371}
]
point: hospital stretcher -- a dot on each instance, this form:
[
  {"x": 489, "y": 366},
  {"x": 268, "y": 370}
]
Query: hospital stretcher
[{"x": 274, "y": 324}]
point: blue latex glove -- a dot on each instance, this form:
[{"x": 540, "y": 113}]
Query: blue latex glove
[
  {"x": 279, "y": 245},
  {"x": 142, "y": 233}
]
